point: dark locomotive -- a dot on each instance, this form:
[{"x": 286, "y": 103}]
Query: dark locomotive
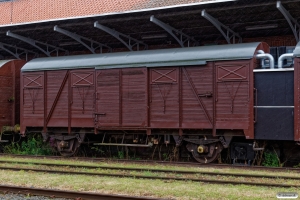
[{"x": 200, "y": 97}]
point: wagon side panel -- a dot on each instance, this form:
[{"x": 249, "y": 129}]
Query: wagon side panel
[
  {"x": 234, "y": 95},
  {"x": 32, "y": 95},
  {"x": 81, "y": 97},
  {"x": 197, "y": 96},
  {"x": 56, "y": 98},
  {"x": 164, "y": 97},
  {"x": 108, "y": 98},
  {"x": 134, "y": 103},
  {"x": 6, "y": 89}
]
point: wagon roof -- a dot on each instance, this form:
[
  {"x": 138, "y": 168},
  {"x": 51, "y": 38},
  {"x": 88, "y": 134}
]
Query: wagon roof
[
  {"x": 297, "y": 50},
  {"x": 3, "y": 62},
  {"x": 150, "y": 58}
]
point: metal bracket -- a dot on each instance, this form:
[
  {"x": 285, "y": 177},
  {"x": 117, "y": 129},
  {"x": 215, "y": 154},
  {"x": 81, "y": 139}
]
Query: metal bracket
[
  {"x": 88, "y": 43},
  {"x": 16, "y": 51},
  {"x": 39, "y": 45},
  {"x": 201, "y": 141},
  {"x": 182, "y": 38},
  {"x": 292, "y": 21},
  {"x": 228, "y": 34},
  {"x": 130, "y": 43},
  {"x": 225, "y": 141}
]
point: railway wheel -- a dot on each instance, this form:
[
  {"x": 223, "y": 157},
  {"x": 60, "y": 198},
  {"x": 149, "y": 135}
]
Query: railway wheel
[
  {"x": 68, "y": 148},
  {"x": 205, "y": 153}
]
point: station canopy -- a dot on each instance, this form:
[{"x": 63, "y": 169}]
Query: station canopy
[{"x": 208, "y": 23}]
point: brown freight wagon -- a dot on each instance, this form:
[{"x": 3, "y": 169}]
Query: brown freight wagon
[
  {"x": 296, "y": 55},
  {"x": 10, "y": 95},
  {"x": 200, "y": 95}
]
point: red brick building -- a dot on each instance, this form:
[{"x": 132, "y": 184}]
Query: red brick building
[
  {"x": 22, "y": 11},
  {"x": 257, "y": 20}
]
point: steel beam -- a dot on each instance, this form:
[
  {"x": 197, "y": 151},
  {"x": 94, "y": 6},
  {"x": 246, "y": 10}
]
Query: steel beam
[
  {"x": 43, "y": 47},
  {"x": 178, "y": 35},
  {"x": 88, "y": 43},
  {"x": 292, "y": 21},
  {"x": 16, "y": 51},
  {"x": 228, "y": 34},
  {"x": 128, "y": 41}
]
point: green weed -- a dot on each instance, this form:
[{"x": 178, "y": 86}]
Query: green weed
[
  {"x": 121, "y": 155},
  {"x": 34, "y": 145},
  {"x": 297, "y": 166},
  {"x": 270, "y": 159},
  {"x": 98, "y": 150}
]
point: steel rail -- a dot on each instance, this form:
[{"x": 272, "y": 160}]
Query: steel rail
[
  {"x": 152, "y": 177},
  {"x": 185, "y": 164},
  {"x": 154, "y": 170},
  {"x": 67, "y": 194}
]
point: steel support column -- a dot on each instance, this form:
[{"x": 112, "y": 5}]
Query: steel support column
[
  {"x": 181, "y": 38},
  {"x": 48, "y": 49},
  {"x": 16, "y": 51},
  {"x": 128, "y": 41},
  {"x": 292, "y": 21},
  {"x": 228, "y": 34},
  {"x": 88, "y": 43}
]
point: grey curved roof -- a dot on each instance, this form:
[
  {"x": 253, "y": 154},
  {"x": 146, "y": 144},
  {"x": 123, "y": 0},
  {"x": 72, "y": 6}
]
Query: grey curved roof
[
  {"x": 150, "y": 58},
  {"x": 3, "y": 62},
  {"x": 297, "y": 50}
]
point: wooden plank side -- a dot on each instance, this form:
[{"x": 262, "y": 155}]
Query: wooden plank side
[
  {"x": 59, "y": 117},
  {"x": 197, "y": 106},
  {"x": 82, "y": 98},
  {"x": 164, "y": 97},
  {"x": 32, "y": 91},
  {"x": 107, "y": 98},
  {"x": 233, "y": 83},
  {"x": 134, "y": 87},
  {"x": 7, "y": 95}
]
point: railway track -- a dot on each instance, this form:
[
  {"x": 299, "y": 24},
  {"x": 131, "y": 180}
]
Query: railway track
[
  {"x": 29, "y": 191},
  {"x": 153, "y": 170},
  {"x": 183, "y": 164},
  {"x": 171, "y": 177}
]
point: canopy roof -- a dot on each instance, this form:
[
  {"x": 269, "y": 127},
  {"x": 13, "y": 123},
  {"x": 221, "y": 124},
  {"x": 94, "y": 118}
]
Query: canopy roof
[
  {"x": 253, "y": 21},
  {"x": 151, "y": 58}
]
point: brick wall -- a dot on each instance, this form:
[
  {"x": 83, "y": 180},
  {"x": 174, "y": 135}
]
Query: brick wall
[
  {"x": 21, "y": 11},
  {"x": 5, "y": 14}
]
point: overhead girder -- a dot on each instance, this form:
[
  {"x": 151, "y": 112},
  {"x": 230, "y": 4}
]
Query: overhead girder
[
  {"x": 88, "y": 43},
  {"x": 128, "y": 41},
  {"x": 228, "y": 34},
  {"x": 292, "y": 21},
  {"x": 48, "y": 49},
  {"x": 182, "y": 38},
  {"x": 16, "y": 51}
]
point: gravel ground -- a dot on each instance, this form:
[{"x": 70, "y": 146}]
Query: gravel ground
[{"x": 22, "y": 197}]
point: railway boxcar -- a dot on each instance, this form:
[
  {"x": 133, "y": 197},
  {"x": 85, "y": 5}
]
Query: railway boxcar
[
  {"x": 10, "y": 95},
  {"x": 200, "y": 95}
]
